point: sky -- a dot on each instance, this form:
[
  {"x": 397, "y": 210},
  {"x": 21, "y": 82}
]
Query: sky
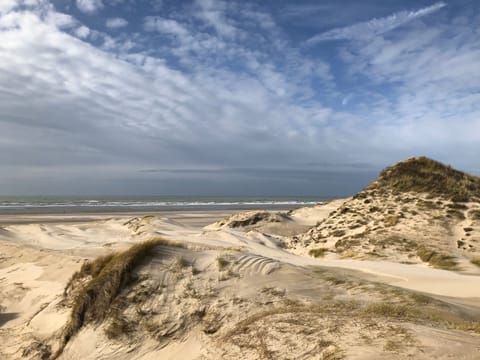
[{"x": 213, "y": 97}]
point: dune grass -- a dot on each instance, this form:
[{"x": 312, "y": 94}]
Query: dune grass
[
  {"x": 222, "y": 263},
  {"x": 108, "y": 276},
  {"x": 318, "y": 252},
  {"x": 437, "y": 259},
  {"x": 413, "y": 312},
  {"x": 424, "y": 175},
  {"x": 474, "y": 214},
  {"x": 476, "y": 261}
]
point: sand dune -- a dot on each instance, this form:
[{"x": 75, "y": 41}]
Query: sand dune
[{"x": 229, "y": 293}]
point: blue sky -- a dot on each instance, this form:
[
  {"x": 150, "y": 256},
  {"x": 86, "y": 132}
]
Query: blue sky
[{"x": 211, "y": 97}]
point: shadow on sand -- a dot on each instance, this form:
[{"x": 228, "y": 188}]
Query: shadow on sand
[{"x": 6, "y": 317}]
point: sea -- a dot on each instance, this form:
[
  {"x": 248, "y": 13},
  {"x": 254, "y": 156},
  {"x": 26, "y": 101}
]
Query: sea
[{"x": 107, "y": 204}]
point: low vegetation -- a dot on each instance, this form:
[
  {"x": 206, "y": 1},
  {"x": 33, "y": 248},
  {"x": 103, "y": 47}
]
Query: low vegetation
[
  {"x": 222, "y": 263},
  {"x": 417, "y": 312},
  {"x": 474, "y": 214},
  {"x": 475, "y": 261},
  {"x": 457, "y": 214},
  {"x": 424, "y": 175},
  {"x": 107, "y": 276},
  {"x": 318, "y": 252},
  {"x": 437, "y": 259}
]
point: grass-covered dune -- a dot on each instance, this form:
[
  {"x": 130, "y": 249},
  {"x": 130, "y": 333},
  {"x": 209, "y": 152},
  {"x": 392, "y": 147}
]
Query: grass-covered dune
[
  {"x": 424, "y": 175},
  {"x": 105, "y": 277}
]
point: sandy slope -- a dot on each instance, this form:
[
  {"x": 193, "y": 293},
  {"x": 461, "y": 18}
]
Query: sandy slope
[{"x": 36, "y": 261}]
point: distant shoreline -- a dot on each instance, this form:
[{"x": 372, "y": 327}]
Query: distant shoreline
[
  {"x": 50, "y": 205},
  {"x": 93, "y": 210},
  {"x": 206, "y": 214}
]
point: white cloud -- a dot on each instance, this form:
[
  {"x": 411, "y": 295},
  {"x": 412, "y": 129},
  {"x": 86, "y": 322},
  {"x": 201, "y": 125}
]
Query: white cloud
[
  {"x": 89, "y": 6},
  {"x": 115, "y": 23},
  {"x": 167, "y": 26},
  {"x": 212, "y": 12},
  {"x": 371, "y": 28},
  {"x": 7, "y": 5},
  {"x": 426, "y": 82},
  {"x": 82, "y": 32}
]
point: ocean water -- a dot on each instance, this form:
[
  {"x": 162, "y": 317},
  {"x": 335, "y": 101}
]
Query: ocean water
[{"x": 94, "y": 204}]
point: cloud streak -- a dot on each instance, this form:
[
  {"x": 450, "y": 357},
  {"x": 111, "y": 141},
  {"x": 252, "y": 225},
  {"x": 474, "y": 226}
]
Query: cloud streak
[{"x": 374, "y": 27}]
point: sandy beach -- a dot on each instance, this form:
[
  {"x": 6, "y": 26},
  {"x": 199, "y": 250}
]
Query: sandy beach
[{"x": 39, "y": 254}]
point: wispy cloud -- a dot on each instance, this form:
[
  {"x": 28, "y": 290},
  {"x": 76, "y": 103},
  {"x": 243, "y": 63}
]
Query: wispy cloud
[
  {"x": 212, "y": 12},
  {"x": 166, "y": 26},
  {"x": 89, "y": 6},
  {"x": 376, "y": 26},
  {"x": 115, "y": 23}
]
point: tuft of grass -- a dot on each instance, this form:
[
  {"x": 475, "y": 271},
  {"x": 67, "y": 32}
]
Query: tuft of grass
[
  {"x": 456, "y": 214},
  {"x": 436, "y": 259},
  {"x": 318, "y": 252},
  {"x": 109, "y": 275},
  {"x": 417, "y": 313},
  {"x": 222, "y": 263},
  {"x": 338, "y": 233},
  {"x": 391, "y": 220},
  {"x": 457, "y": 206},
  {"x": 475, "y": 261},
  {"x": 181, "y": 262},
  {"x": 424, "y": 175},
  {"x": 90, "y": 268},
  {"x": 427, "y": 204},
  {"x": 420, "y": 299},
  {"x": 393, "y": 311},
  {"x": 474, "y": 214},
  {"x": 119, "y": 325}
]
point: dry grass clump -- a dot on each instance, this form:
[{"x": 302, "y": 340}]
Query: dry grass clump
[
  {"x": 418, "y": 312},
  {"x": 424, "y": 175},
  {"x": 338, "y": 233},
  {"x": 474, "y": 214},
  {"x": 437, "y": 259},
  {"x": 391, "y": 220},
  {"x": 89, "y": 268},
  {"x": 119, "y": 325},
  {"x": 456, "y": 214},
  {"x": 222, "y": 263},
  {"x": 109, "y": 275},
  {"x": 402, "y": 312},
  {"x": 457, "y": 206},
  {"x": 318, "y": 252},
  {"x": 475, "y": 261}
]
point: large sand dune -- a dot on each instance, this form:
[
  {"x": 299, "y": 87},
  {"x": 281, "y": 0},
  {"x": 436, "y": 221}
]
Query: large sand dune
[{"x": 227, "y": 293}]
